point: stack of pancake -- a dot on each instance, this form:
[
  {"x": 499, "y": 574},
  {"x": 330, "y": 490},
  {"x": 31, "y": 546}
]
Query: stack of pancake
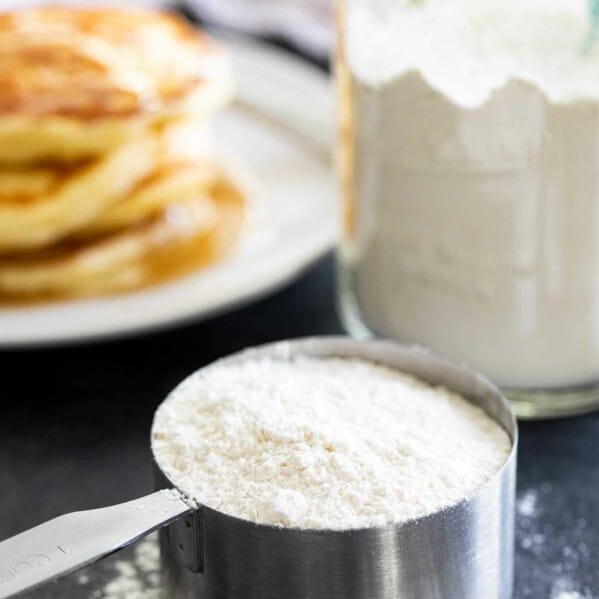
[{"x": 109, "y": 179}]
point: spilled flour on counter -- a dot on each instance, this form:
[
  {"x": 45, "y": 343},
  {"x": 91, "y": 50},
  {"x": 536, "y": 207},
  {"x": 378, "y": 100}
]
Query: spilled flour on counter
[
  {"x": 551, "y": 561},
  {"x": 323, "y": 443},
  {"x": 135, "y": 577}
]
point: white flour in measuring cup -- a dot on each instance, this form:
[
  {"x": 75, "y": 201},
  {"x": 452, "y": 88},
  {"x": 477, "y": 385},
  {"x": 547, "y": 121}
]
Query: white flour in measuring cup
[{"x": 323, "y": 443}]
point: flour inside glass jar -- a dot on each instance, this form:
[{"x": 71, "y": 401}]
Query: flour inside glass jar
[{"x": 470, "y": 175}]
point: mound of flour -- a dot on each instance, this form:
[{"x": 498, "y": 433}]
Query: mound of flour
[
  {"x": 468, "y": 49},
  {"x": 323, "y": 443}
]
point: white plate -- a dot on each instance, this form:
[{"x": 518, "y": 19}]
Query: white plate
[{"x": 282, "y": 126}]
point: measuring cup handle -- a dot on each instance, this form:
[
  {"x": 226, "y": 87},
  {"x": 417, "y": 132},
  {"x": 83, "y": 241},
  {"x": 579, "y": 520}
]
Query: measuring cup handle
[{"x": 71, "y": 542}]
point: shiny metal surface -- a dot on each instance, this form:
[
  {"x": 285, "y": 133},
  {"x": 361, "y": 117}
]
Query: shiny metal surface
[
  {"x": 71, "y": 542},
  {"x": 465, "y": 552}
]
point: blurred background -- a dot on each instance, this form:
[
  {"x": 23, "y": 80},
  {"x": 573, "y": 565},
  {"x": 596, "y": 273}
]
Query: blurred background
[
  {"x": 307, "y": 24},
  {"x": 78, "y": 416}
]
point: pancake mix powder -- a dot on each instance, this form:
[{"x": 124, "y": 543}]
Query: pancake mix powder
[{"x": 323, "y": 443}]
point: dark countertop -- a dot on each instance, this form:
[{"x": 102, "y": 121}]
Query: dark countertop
[{"x": 74, "y": 433}]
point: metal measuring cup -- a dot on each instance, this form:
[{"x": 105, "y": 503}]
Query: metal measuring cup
[{"x": 463, "y": 552}]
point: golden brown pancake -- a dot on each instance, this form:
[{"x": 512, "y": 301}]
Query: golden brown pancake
[
  {"x": 166, "y": 185},
  {"x": 76, "y": 82},
  {"x": 40, "y": 206},
  {"x": 109, "y": 175},
  {"x": 72, "y": 198},
  {"x": 183, "y": 237}
]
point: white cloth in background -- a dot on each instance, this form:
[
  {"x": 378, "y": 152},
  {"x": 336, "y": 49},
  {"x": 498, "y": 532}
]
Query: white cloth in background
[
  {"x": 307, "y": 23},
  {"x": 13, "y": 4}
]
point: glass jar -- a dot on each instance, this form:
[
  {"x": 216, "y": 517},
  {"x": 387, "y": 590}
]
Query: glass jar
[{"x": 469, "y": 164}]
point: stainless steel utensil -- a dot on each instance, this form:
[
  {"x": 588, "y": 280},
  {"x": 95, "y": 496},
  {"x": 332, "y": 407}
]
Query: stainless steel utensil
[{"x": 464, "y": 552}]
